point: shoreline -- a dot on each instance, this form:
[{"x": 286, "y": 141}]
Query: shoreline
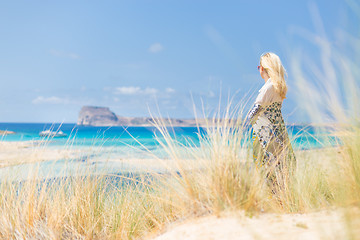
[{"x": 30, "y": 153}]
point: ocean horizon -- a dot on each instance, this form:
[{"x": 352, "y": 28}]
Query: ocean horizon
[{"x": 303, "y": 136}]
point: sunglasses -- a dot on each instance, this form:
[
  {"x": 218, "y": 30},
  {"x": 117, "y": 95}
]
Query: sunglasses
[{"x": 258, "y": 68}]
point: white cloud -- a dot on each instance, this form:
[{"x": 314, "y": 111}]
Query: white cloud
[
  {"x": 51, "y": 100},
  {"x": 150, "y": 91},
  {"x": 58, "y": 53},
  {"x": 131, "y": 90},
  {"x": 155, "y": 48},
  {"x": 127, "y": 90},
  {"x": 170, "y": 90}
]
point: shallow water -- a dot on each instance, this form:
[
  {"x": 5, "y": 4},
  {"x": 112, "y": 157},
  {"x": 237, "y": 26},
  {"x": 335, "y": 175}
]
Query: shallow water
[
  {"x": 302, "y": 136},
  {"x": 101, "y": 148}
]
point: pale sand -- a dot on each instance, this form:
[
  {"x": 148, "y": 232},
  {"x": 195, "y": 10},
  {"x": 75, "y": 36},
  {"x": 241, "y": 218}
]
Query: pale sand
[
  {"x": 321, "y": 225},
  {"x": 15, "y": 153},
  {"x": 318, "y": 225}
]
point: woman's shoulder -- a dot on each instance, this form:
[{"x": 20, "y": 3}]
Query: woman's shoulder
[
  {"x": 268, "y": 94},
  {"x": 267, "y": 86}
]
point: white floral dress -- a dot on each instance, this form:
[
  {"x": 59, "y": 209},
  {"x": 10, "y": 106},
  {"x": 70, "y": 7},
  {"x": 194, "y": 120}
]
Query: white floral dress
[{"x": 272, "y": 149}]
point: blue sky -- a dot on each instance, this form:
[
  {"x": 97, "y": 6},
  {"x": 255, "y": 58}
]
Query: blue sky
[{"x": 56, "y": 56}]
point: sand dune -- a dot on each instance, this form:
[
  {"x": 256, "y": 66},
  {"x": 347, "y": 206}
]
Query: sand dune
[{"x": 318, "y": 225}]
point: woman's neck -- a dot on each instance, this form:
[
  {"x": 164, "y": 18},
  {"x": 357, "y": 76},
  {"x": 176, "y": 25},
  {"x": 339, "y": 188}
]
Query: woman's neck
[
  {"x": 266, "y": 78},
  {"x": 264, "y": 75}
]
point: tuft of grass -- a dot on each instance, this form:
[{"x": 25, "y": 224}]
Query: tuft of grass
[
  {"x": 329, "y": 86},
  {"x": 211, "y": 177},
  {"x": 217, "y": 175}
]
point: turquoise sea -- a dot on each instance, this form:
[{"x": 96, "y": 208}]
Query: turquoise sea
[
  {"x": 303, "y": 136},
  {"x": 116, "y": 143}
]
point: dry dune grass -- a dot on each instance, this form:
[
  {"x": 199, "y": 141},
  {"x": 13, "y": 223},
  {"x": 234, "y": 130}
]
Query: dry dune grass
[{"x": 221, "y": 178}]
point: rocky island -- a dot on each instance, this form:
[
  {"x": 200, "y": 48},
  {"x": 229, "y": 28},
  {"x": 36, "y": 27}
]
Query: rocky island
[{"x": 102, "y": 116}]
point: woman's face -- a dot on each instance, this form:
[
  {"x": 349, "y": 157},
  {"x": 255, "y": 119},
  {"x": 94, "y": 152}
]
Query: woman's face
[{"x": 263, "y": 73}]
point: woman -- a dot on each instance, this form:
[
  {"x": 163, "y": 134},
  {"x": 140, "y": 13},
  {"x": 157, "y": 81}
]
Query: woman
[{"x": 272, "y": 150}]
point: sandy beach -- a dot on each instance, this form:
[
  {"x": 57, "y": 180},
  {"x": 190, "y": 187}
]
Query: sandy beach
[
  {"x": 20, "y": 155},
  {"x": 326, "y": 224},
  {"x": 231, "y": 226},
  {"x": 15, "y": 153}
]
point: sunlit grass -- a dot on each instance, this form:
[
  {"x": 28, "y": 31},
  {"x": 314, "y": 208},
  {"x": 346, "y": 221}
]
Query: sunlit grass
[
  {"x": 210, "y": 177},
  {"x": 213, "y": 176}
]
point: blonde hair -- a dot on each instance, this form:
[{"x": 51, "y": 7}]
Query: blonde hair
[{"x": 273, "y": 67}]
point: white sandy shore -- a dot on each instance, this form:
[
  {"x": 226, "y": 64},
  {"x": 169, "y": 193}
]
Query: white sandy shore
[
  {"x": 15, "y": 153},
  {"x": 318, "y": 225},
  {"x": 21, "y": 156}
]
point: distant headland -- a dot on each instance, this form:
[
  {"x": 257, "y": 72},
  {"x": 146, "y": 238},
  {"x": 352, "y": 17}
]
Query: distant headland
[{"x": 102, "y": 116}]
